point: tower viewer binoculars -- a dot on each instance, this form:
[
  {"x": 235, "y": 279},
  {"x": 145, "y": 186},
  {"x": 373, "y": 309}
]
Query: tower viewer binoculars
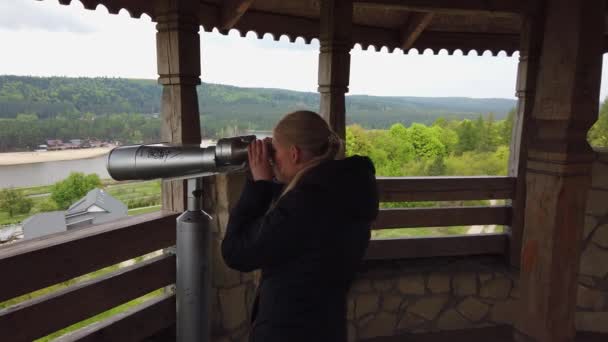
[{"x": 138, "y": 162}]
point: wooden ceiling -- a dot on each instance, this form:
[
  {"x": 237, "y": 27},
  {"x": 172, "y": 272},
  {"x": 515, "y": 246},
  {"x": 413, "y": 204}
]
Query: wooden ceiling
[{"x": 466, "y": 25}]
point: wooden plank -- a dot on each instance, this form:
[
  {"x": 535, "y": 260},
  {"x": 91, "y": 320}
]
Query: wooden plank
[
  {"x": 416, "y": 23},
  {"x": 407, "y": 189},
  {"x": 38, "y": 263},
  {"x": 135, "y": 324},
  {"x": 495, "y": 7},
  {"x": 425, "y": 247},
  {"x": 442, "y": 217},
  {"x": 38, "y": 317},
  {"x": 232, "y": 11}
]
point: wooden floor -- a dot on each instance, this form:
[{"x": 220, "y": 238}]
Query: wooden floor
[{"x": 493, "y": 334}]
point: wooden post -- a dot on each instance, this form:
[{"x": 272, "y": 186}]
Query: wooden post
[
  {"x": 527, "y": 73},
  {"x": 334, "y": 61},
  {"x": 179, "y": 70},
  {"x": 558, "y": 168}
]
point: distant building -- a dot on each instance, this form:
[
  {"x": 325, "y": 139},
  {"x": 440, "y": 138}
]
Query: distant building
[
  {"x": 44, "y": 224},
  {"x": 76, "y": 143},
  {"x": 96, "y": 207}
]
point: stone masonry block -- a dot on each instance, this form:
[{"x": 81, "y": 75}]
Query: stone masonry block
[
  {"x": 592, "y": 321},
  {"x": 452, "y": 320},
  {"x": 591, "y": 299},
  {"x": 438, "y": 283},
  {"x": 382, "y": 324},
  {"x": 497, "y": 288},
  {"x": 413, "y": 285},
  {"x": 464, "y": 284},
  {"x": 428, "y": 307},
  {"x": 366, "y": 304},
  {"x": 473, "y": 309},
  {"x": 593, "y": 262},
  {"x": 600, "y": 237}
]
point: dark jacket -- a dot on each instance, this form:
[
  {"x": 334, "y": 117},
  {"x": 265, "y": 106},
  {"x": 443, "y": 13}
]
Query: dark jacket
[{"x": 308, "y": 248}]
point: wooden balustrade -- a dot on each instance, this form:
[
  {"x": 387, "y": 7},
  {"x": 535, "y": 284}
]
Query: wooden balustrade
[
  {"x": 38, "y": 263},
  {"x": 42, "y": 262},
  {"x": 412, "y": 189}
]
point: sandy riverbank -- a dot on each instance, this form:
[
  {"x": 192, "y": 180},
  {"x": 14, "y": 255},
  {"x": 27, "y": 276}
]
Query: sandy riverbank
[{"x": 16, "y": 158}]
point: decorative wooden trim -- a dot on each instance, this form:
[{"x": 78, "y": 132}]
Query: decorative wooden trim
[
  {"x": 38, "y": 263},
  {"x": 495, "y": 7},
  {"x": 442, "y": 217},
  {"x": 135, "y": 324},
  {"x": 416, "y": 23},
  {"x": 409, "y": 189},
  {"x": 40, "y": 316},
  {"x": 481, "y": 244},
  {"x": 232, "y": 11}
]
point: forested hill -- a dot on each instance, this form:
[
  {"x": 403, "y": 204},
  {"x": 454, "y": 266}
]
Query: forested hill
[{"x": 258, "y": 108}]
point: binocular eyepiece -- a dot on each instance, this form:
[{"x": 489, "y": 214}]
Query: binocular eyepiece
[{"x": 140, "y": 162}]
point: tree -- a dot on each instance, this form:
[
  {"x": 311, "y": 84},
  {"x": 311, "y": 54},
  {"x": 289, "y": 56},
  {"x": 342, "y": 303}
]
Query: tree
[
  {"x": 75, "y": 186},
  {"x": 14, "y": 202},
  {"x": 437, "y": 167},
  {"x": 598, "y": 134},
  {"x": 506, "y": 128}
]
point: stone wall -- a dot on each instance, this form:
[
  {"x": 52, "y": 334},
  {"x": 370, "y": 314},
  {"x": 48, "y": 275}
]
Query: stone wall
[
  {"x": 232, "y": 291},
  {"x": 592, "y": 299},
  {"x": 413, "y": 296}
]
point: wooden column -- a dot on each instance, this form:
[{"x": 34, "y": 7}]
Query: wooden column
[
  {"x": 179, "y": 70},
  {"x": 527, "y": 73},
  {"x": 334, "y": 61},
  {"x": 558, "y": 168}
]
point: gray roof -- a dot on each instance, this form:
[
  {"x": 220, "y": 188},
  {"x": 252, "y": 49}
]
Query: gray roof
[
  {"x": 95, "y": 208},
  {"x": 99, "y": 198},
  {"x": 43, "y": 224}
]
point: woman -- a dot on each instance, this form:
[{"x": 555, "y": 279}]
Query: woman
[{"x": 307, "y": 234}]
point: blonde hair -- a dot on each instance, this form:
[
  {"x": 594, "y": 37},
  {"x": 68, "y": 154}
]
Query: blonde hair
[{"x": 308, "y": 131}]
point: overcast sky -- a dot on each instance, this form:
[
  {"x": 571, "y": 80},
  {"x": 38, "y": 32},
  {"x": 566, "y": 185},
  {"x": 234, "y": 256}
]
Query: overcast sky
[{"x": 43, "y": 38}]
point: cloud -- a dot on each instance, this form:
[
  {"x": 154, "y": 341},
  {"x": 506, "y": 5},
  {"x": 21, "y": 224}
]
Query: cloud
[{"x": 20, "y": 15}]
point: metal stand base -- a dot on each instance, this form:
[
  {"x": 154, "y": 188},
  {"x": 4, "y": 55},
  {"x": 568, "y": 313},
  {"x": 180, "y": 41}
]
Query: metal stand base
[{"x": 193, "y": 279}]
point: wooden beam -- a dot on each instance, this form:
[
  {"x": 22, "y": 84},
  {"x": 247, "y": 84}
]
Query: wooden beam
[
  {"x": 442, "y": 217},
  {"x": 335, "y": 36},
  {"x": 135, "y": 324},
  {"x": 39, "y": 317},
  {"x": 558, "y": 170},
  {"x": 496, "y": 7},
  {"x": 441, "y": 246},
  {"x": 232, "y": 11},
  {"x": 527, "y": 73},
  {"x": 179, "y": 70},
  {"x": 410, "y": 189},
  {"x": 416, "y": 23},
  {"x": 38, "y": 263}
]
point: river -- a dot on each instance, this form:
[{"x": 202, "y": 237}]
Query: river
[{"x": 47, "y": 173}]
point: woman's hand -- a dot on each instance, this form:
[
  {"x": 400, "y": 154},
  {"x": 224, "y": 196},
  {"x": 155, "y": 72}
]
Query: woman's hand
[{"x": 259, "y": 160}]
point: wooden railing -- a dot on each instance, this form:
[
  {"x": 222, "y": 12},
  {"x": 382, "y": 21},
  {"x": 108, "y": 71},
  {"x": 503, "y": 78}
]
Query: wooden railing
[
  {"x": 442, "y": 189},
  {"x": 35, "y": 264}
]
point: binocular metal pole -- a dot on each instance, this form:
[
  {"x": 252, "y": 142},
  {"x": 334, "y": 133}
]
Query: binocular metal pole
[{"x": 193, "y": 280}]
